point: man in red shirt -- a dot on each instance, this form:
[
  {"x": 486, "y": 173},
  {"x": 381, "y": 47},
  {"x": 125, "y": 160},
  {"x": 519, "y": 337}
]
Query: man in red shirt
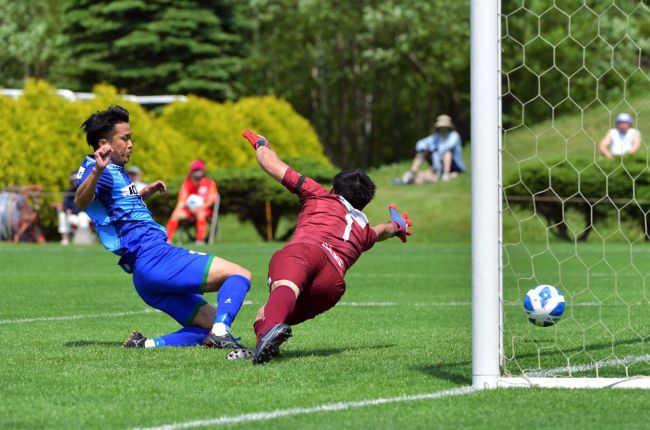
[
  {"x": 306, "y": 277},
  {"x": 195, "y": 201}
]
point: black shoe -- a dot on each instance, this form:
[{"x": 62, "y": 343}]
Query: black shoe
[
  {"x": 222, "y": 342},
  {"x": 269, "y": 345},
  {"x": 240, "y": 354},
  {"x": 136, "y": 340}
]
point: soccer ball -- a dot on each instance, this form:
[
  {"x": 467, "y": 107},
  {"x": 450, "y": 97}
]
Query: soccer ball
[
  {"x": 194, "y": 201},
  {"x": 544, "y": 305}
]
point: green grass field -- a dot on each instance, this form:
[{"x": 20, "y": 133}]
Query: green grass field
[
  {"x": 402, "y": 330},
  {"x": 396, "y": 352}
]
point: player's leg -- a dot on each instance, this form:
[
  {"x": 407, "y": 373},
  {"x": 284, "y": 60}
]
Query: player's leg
[
  {"x": 232, "y": 282},
  {"x": 172, "y": 225},
  {"x": 171, "y": 279},
  {"x": 189, "y": 310},
  {"x": 291, "y": 273}
]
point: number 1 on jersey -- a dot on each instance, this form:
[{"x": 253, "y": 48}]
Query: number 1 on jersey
[{"x": 348, "y": 227}]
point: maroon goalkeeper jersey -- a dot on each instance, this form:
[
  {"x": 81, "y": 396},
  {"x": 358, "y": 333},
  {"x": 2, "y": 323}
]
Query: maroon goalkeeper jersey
[{"x": 328, "y": 220}]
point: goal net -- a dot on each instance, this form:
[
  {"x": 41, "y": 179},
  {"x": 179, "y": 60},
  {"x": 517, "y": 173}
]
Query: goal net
[{"x": 570, "y": 210}]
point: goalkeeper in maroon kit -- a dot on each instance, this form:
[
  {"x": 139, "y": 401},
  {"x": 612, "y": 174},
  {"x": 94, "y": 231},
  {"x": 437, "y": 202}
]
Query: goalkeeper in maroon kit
[{"x": 306, "y": 277}]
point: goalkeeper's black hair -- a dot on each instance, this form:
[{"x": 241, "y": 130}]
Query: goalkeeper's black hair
[
  {"x": 354, "y": 186},
  {"x": 101, "y": 125}
]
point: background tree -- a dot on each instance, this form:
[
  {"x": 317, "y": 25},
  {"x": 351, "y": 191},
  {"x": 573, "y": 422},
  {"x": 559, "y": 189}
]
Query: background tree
[
  {"x": 370, "y": 74},
  {"x": 156, "y": 46},
  {"x": 31, "y": 40}
]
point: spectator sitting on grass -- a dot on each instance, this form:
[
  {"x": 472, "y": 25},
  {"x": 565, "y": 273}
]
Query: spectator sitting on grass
[{"x": 442, "y": 149}]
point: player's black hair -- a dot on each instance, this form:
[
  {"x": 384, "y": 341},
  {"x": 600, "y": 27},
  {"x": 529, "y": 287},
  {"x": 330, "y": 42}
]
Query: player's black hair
[
  {"x": 101, "y": 125},
  {"x": 355, "y": 187}
]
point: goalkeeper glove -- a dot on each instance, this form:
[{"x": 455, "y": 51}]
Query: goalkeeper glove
[
  {"x": 256, "y": 140},
  {"x": 401, "y": 222}
]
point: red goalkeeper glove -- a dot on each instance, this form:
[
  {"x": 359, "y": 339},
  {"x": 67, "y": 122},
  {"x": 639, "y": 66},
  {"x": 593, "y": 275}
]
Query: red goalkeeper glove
[
  {"x": 401, "y": 222},
  {"x": 255, "y": 140}
]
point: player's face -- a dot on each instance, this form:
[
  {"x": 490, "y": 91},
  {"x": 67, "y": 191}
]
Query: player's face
[{"x": 121, "y": 144}]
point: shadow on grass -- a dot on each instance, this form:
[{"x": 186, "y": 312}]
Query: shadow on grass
[
  {"x": 461, "y": 372},
  {"x": 326, "y": 352},
  {"x": 458, "y": 373},
  {"x": 82, "y": 343}
]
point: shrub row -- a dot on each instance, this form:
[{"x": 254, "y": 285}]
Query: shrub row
[
  {"x": 597, "y": 189},
  {"x": 40, "y": 140}
]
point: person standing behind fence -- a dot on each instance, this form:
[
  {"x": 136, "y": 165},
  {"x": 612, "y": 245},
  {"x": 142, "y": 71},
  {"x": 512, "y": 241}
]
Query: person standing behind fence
[
  {"x": 135, "y": 174},
  {"x": 196, "y": 199},
  {"x": 623, "y": 139},
  {"x": 70, "y": 216}
]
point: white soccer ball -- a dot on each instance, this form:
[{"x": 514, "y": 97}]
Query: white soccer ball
[
  {"x": 544, "y": 305},
  {"x": 194, "y": 201}
]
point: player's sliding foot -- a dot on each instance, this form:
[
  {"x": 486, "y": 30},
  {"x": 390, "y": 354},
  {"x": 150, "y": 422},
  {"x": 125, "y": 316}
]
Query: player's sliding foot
[
  {"x": 225, "y": 341},
  {"x": 136, "y": 340},
  {"x": 269, "y": 345},
  {"x": 240, "y": 354}
]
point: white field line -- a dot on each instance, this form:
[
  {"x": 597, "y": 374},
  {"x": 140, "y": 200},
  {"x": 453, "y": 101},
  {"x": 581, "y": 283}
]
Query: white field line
[
  {"x": 248, "y": 302},
  {"x": 78, "y": 317},
  {"x": 625, "y": 361},
  {"x": 86, "y": 316},
  {"x": 326, "y": 407}
]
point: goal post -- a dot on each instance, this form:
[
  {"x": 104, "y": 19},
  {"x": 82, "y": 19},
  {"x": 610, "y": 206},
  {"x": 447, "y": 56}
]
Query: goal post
[
  {"x": 568, "y": 69},
  {"x": 486, "y": 193}
]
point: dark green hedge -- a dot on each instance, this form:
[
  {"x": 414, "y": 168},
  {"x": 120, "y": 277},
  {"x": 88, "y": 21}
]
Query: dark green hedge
[
  {"x": 244, "y": 191},
  {"x": 597, "y": 189}
]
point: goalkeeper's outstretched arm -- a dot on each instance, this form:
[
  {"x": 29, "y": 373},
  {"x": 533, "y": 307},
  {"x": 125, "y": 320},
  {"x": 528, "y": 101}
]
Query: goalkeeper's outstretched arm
[{"x": 266, "y": 156}]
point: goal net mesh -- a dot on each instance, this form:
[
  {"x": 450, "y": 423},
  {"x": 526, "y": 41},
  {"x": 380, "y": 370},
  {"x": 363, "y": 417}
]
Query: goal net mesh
[{"x": 572, "y": 217}]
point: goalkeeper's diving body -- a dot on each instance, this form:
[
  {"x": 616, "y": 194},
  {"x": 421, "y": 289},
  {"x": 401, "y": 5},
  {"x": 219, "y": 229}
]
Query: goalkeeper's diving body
[
  {"x": 306, "y": 276},
  {"x": 168, "y": 278}
]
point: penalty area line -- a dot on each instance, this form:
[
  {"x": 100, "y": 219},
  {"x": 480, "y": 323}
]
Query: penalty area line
[{"x": 326, "y": 407}]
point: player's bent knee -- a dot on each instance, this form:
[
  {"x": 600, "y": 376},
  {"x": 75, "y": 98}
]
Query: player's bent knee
[
  {"x": 286, "y": 283},
  {"x": 205, "y": 316},
  {"x": 221, "y": 269}
]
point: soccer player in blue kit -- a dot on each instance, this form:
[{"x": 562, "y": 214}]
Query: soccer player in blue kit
[{"x": 168, "y": 278}]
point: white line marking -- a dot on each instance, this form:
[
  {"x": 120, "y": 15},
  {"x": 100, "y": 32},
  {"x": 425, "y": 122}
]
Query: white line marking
[
  {"x": 81, "y": 317},
  {"x": 625, "y": 361},
  {"x": 248, "y": 302},
  {"x": 327, "y": 407},
  {"x": 78, "y": 317}
]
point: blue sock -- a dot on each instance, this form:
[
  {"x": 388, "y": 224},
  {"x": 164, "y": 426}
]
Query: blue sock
[
  {"x": 230, "y": 298},
  {"x": 187, "y": 336}
]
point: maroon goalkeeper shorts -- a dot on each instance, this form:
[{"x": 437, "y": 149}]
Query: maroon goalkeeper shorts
[{"x": 307, "y": 266}]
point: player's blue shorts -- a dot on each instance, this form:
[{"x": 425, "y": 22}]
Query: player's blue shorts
[{"x": 172, "y": 279}]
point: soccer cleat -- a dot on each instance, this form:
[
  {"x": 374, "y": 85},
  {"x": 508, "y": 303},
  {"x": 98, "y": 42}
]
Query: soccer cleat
[
  {"x": 240, "y": 354},
  {"x": 136, "y": 340},
  {"x": 269, "y": 345},
  {"x": 225, "y": 341}
]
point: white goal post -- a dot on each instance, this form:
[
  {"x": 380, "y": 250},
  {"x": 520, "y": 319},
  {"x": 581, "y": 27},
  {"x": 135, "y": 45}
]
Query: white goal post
[{"x": 487, "y": 197}]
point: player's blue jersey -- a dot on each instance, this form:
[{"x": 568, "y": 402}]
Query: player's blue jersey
[{"x": 122, "y": 220}]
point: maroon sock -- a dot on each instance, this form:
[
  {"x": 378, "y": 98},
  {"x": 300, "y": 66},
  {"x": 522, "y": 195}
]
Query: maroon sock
[{"x": 281, "y": 302}]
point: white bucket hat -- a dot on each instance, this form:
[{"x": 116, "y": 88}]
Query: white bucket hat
[{"x": 443, "y": 121}]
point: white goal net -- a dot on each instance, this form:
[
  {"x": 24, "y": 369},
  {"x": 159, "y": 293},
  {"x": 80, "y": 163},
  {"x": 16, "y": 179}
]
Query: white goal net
[{"x": 573, "y": 212}]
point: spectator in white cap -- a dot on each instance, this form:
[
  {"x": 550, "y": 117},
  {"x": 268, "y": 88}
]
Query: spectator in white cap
[
  {"x": 135, "y": 174},
  {"x": 620, "y": 140},
  {"x": 442, "y": 150}
]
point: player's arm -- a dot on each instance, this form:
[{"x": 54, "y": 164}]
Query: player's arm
[
  {"x": 266, "y": 156},
  {"x": 153, "y": 188},
  {"x": 399, "y": 225},
  {"x": 86, "y": 191}
]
